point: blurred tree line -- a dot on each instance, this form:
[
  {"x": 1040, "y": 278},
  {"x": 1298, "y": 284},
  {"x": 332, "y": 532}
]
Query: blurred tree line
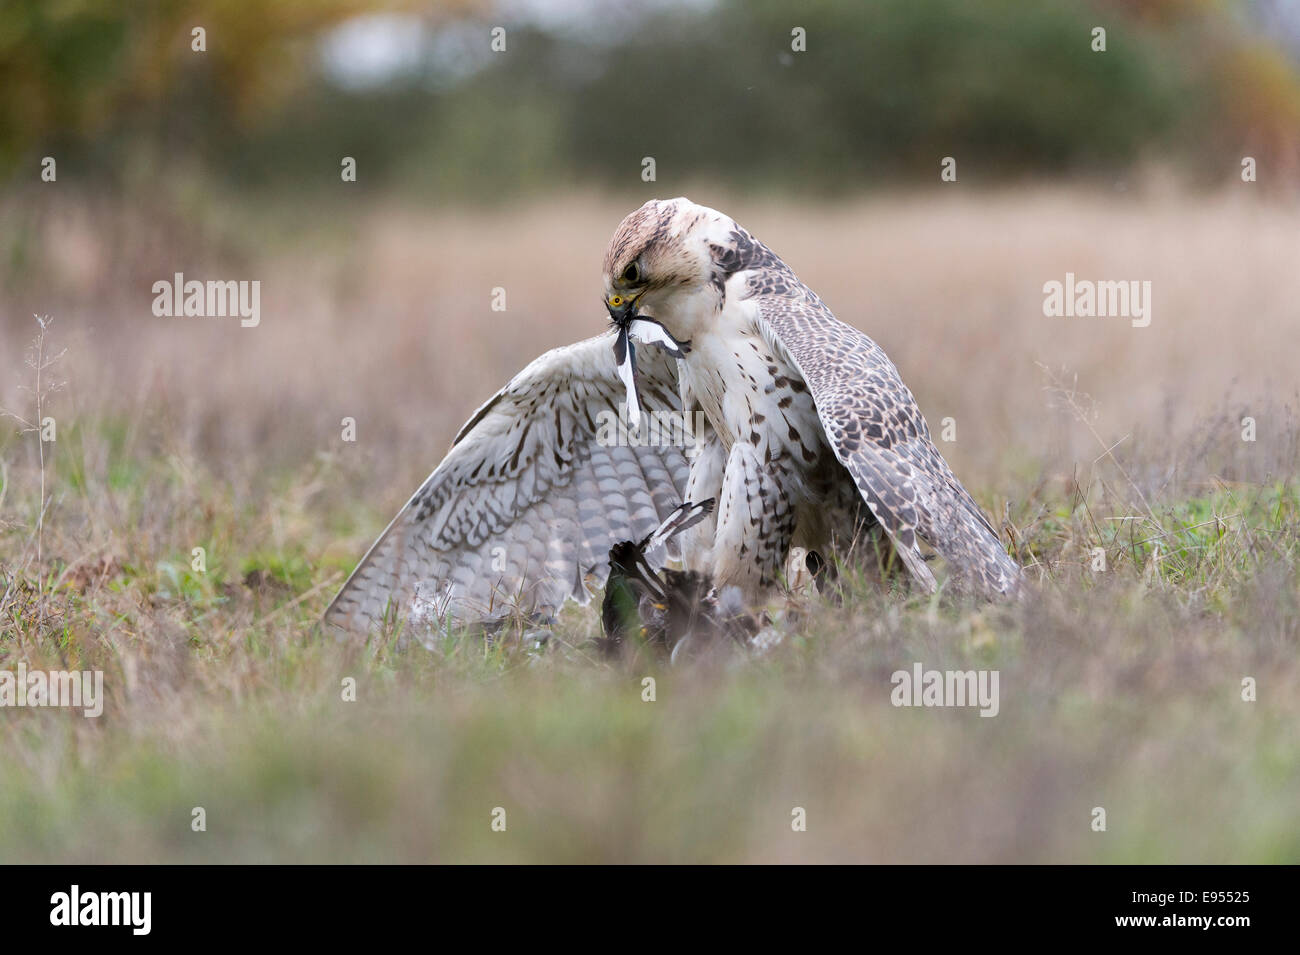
[{"x": 884, "y": 89}]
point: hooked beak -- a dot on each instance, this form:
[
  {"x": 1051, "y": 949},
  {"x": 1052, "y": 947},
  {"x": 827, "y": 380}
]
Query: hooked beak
[
  {"x": 628, "y": 325},
  {"x": 622, "y": 309}
]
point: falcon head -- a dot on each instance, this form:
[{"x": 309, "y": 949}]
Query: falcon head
[{"x": 659, "y": 281}]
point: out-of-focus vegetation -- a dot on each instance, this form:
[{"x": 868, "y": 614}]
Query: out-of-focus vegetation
[
  {"x": 711, "y": 90},
  {"x": 1122, "y": 686}
]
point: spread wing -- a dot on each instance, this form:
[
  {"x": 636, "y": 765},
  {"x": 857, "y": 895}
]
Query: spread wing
[
  {"x": 538, "y": 485},
  {"x": 878, "y": 433}
]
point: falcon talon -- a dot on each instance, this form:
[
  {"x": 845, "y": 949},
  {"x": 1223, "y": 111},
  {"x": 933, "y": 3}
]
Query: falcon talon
[
  {"x": 679, "y": 611},
  {"x": 642, "y": 598}
]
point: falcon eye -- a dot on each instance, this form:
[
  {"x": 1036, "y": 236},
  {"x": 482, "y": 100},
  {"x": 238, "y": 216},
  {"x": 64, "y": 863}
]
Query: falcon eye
[{"x": 631, "y": 274}]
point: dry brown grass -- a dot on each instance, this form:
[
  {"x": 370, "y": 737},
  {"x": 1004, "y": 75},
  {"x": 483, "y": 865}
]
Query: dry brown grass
[
  {"x": 383, "y": 313},
  {"x": 1119, "y": 690}
]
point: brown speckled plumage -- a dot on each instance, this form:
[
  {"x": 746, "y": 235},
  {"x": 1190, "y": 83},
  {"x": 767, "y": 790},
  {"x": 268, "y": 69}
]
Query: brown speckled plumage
[
  {"x": 520, "y": 515},
  {"x": 813, "y": 440},
  {"x": 815, "y": 404},
  {"x": 878, "y": 433}
]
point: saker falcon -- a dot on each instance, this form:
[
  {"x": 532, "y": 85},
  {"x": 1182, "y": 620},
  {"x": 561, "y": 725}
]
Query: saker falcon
[{"x": 812, "y": 439}]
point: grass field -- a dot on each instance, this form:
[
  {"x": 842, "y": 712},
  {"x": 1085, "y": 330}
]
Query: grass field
[{"x": 1120, "y": 689}]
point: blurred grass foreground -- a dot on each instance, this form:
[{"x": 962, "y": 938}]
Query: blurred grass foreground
[{"x": 1147, "y": 477}]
